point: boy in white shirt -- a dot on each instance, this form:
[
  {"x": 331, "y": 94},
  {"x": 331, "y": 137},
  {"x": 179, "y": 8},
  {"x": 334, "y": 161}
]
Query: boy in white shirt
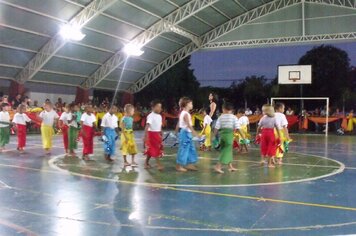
[
  {"x": 88, "y": 124},
  {"x": 282, "y": 125},
  {"x": 20, "y": 119},
  {"x": 4, "y": 126},
  {"x": 49, "y": 117},
  {"x": 153, "y": 135},
  {"x": 110, "y": 131}
]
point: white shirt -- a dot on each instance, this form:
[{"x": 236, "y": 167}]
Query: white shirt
[
  {"x": 21, "y": 119},
  {"x": 155, "y": 121},
  {"x": 65, "y": 117},
  {"x": 244, "y": 121},
  {"x": 281, "y": 120},
  {"x": 4, "y": 117},
  {"x": 248, "y": 112},
  {"x": 88, "y": 120},
  {"x": 48, "y": 117},
  {"x": 182, "y": 123},
  {"x": 109, "y": 121},
  {"x": 227, "y": 121},
  {"x": 289, "y": 113},
  {"x": 207, "y": 120}
]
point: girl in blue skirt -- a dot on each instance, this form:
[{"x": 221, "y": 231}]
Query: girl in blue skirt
[{"x": 187, "y": 154}]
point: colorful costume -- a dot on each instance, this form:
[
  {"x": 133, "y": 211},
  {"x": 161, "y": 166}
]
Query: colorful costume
[
  {"x": 207, "y": 131},
  {"x": 268, "y": 140},
  {"x": 281, "y": 123},
  {"x": 4, "y": 128},
  {"x": 128, "y": 144},
  {"x": 65, "y": 118},
  {"x": 226, "y": 124},
  {"x": 47, "y": 131},
  {"x": 20, "y": 120},
  {"x": 88, "y": 133},
  {"x": 109, "y": 123},
  {"x": 187, "y": 153},
  {"x": 154, "y": 147}
]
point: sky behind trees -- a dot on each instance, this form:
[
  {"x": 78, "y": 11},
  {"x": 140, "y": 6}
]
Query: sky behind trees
[{"x": 219, "y": 68}]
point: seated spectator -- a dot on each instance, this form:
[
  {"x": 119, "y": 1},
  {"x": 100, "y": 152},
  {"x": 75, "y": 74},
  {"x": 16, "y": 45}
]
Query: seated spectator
[
  {"x": 17, "y": 101},
  {"x": 258, "y": 111},
  {"x": 289, "y": 112},
  {"x": 248, "y": 112}
]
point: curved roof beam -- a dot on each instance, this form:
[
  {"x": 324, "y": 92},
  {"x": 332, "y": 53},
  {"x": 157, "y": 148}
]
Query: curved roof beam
[
  {"x": 225, "y": 28},
  {"x": 57, "y": 42},
  {"x": 167, "y": 24}
]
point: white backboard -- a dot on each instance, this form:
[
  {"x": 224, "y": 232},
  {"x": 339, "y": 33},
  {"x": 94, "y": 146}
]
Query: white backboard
[{"x": 295, "y": 74}]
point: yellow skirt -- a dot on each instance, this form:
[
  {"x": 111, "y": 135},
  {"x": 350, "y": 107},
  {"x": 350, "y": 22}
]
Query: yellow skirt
[
  {"x": 47, "y": 133},
  {"x": 207, "y": 133},
  {"x": 128, "y": 146},
  {"x": 243, "y": 130},
  {"x": 282, "y": 138}
]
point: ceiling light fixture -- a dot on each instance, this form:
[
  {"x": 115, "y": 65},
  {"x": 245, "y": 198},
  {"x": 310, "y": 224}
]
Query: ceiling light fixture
[
  {"x": 71, "y": 32},
  {"x": 133, "y": 50}
]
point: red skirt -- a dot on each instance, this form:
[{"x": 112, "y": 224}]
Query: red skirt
[
  {"x": 268, "y": 143},
  {"x": 154, "y": 147},
  {"x": 65, "y": 136},
  {"x": 21, "y": 135},
  {"x": 88, "y": 139}
]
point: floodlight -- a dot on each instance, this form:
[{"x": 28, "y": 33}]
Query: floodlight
[
  {"x": 71, "y": 32},
  {"x": 133, "y": 50}
]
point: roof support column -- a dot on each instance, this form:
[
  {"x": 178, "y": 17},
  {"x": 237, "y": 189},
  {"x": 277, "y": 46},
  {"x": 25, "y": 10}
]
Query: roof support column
[{"x": 303, "y": 18}]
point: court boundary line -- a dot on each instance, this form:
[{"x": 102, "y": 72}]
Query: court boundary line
[{"x": 335, "y": 172}]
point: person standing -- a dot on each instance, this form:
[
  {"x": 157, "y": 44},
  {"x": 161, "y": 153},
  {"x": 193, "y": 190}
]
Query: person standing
[{"x": 110, "y": 131}]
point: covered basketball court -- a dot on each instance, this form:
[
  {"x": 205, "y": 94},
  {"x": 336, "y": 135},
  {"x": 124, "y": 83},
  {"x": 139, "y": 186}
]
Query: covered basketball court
[{"x": 312, "y": 194}]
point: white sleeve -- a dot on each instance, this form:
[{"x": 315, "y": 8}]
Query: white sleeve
[
  {"x": 284, "y": 121},
  {"x": 27, "y": 119},
  {"x": 103, "y": 121},
  {"x": 82, "y": 118},
  {"x": 56, "y": 116},
  {"x": 94, "y": 118},
  {"x": 42, "y": 114},
  {"x": 15, "y": 119},
  {"x": 247, "y": 121},
  {"x": 149, "y": 119},
  {"x": 237, "y": 124},
  {"x": 63, "y": 116}
]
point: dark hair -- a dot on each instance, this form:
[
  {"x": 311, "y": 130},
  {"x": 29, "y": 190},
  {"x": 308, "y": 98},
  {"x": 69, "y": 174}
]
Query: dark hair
[
  {"x": 184, "y": 102},
  {"x": 278, "y": 105},
  {"x": 215, "y": 97},
  {"x": 155, "y": 102},
  {"x": 4, "y": 105},
  {"x": 228, "y": 106},
  {"x": 241, "y": 111}
]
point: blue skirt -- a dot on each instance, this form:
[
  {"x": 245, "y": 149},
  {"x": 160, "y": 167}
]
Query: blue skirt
[
  {"x": 109, "y": 145},
  {"x": 187, "y": 153}
]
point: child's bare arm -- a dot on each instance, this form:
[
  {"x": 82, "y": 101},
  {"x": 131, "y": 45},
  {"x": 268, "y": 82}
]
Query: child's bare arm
[{"x": 186, "y": 119}]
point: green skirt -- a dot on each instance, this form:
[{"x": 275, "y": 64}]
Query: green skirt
[
  {"x": 4, "y": 136},
  {"x": 72, "y": 138},
  {"x": 226, "y": 146}
]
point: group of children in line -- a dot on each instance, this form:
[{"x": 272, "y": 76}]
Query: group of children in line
[{"x": 272, "y": 132}]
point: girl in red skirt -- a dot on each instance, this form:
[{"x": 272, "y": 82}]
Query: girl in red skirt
[
  {"x": 87, "y": 122},
  {"x": 64, "y": 121},
  {"x": 153, "y": 135},
  {"x": 20, "y": 119},
  {"x": 268, "y": 140}
]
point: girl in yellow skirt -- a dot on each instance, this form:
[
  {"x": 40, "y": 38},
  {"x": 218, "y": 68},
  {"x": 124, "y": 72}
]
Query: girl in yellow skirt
[
  {"x": 128, "y": 144},
  {"x": 244, "y": 128},
  {"x": 48, "y": 117},
  {"x": 206, "y": 129},
  {"x": 282, "y": 126}
]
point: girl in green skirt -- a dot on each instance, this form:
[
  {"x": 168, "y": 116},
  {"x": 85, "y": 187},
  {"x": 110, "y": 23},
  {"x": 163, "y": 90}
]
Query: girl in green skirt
[
  {"x": 225, "y": 126},
  {"x": 73, "y": 130}
]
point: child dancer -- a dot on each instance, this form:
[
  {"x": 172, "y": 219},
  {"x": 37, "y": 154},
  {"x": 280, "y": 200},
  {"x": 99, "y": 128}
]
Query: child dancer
[
  {"x": 206, "y": 129},
  {"x": 268, "y": 140},
  {"x": 226, "y": 124},
  {"x": 88, "y": 122},
  {"x": 4, "y": 126},
  {"x": 48, "y": 117},
  {"x": 64, "y": 120},
  {"x": 153, "y": 135},
  {"x": 128, "y": 144},
  {"x": 109, "y": 122},
  {"x": 73, "y": 130},
  {"x": 187, "y": 154},
  {"x": 282, "y": 126},
  {"x": 19, "y": 120},
  {"x": 245, "y": 128}
]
